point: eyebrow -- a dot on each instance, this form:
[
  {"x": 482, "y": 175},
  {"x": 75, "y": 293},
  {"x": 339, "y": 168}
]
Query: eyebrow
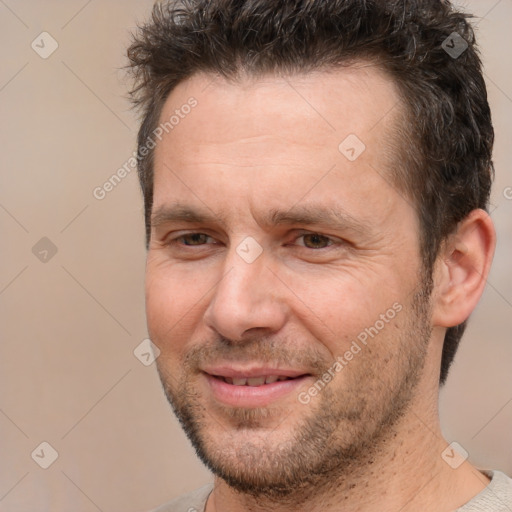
[
  {"x": 315, "y": 214},
  {"x": 305, "y": 214},
  {"x": 181, "y": 213}
]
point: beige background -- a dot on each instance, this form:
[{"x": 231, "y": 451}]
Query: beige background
[{"x": 68, "y": 374}]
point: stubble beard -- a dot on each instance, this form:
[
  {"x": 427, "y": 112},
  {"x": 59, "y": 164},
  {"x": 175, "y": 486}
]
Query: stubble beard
[{"x": 341, "y": 434}]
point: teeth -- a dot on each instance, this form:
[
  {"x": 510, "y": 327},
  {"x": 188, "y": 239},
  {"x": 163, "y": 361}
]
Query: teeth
[{"x": 256, "y": 381}]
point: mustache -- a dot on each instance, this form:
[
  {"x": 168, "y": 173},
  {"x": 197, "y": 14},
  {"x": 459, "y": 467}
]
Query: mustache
[{"x": 263, "y": 349}]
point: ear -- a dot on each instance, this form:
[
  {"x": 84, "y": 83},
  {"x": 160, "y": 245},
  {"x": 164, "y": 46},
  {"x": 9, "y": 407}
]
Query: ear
[{"x": 462, "y": 269}]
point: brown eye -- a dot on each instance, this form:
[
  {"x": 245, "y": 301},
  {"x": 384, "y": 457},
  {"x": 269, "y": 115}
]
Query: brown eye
[
  {"x": 194, "y": 239},
  {"x": 316, "y": 241}
]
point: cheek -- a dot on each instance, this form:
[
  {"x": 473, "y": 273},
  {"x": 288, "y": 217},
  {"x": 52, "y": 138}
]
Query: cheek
[
  {"x": 172, "y": 305},
  {"x": 336, "y": 309}
]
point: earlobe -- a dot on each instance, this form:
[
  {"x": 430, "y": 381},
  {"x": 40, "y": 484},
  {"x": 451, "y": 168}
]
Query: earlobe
[{"x": 462, "y": 269}]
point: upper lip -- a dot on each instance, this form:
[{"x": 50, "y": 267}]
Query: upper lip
[{"x": 238, "y": 372}]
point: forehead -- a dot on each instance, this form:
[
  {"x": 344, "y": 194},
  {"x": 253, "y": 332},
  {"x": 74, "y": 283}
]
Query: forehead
[
  {"x": 359, "y": 98},
  {"x": 277, "y": 137}
]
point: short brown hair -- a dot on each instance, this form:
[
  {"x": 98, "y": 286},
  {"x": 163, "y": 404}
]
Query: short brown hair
[{"x": 445, "y": 167}]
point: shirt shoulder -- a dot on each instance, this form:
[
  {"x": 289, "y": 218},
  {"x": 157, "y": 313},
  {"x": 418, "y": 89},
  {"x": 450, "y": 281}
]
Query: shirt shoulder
[
  {"x": 496, "y": 497},
  {"x": 194, "y": 501}
]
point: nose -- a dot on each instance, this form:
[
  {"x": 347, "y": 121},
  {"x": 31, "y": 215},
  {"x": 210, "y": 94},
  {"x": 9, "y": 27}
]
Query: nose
[{"x": 249, "y": 298}]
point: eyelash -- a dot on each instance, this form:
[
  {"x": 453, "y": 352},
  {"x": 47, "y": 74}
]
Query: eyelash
[{"x": 331, "y": 241}]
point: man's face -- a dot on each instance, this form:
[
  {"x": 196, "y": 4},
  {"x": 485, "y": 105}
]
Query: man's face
[{"x": 274, "y": 252}]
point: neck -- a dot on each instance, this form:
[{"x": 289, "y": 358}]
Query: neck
[{"x": 406, "y": 473}]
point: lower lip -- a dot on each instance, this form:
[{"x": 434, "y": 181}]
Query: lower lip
[{"x": 253, "y": 396}]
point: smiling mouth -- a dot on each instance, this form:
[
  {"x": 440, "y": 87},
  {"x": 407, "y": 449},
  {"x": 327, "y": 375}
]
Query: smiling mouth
[
  {"x": 253, "y": 387},
  {"x": 254, "y": 381}
]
